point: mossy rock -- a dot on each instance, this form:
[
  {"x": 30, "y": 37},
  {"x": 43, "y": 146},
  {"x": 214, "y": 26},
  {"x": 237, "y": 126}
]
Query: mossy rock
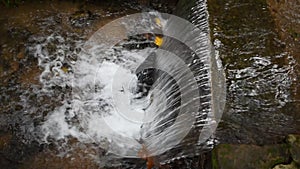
[
  {"x": 229, "y": 156},
  {"x": 294, "y": 146},
  {"x": 287, "y": 166}
]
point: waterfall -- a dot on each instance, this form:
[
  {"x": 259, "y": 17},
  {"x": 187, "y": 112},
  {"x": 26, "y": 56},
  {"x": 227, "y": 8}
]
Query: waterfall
[{"x": 146, "y": 84}]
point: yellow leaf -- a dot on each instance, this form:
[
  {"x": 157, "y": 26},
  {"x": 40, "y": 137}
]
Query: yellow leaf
[
  {"x": 158, "y": 41},
  {"x": 64, "y": 69}
]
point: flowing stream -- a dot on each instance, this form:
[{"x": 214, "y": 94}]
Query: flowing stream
[
  {"x": 113, "y": 85},
  {"x": 109, "y": 104}
]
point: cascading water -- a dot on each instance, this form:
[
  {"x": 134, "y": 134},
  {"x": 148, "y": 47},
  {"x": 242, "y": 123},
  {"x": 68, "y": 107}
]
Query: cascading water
[
  {"x": 107, "y": 106},
  {"x": 125, "y": 94}
]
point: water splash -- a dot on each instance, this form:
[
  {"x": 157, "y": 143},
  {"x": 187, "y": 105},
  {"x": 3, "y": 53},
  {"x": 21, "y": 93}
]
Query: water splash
[{"x": 105, "y": 107}]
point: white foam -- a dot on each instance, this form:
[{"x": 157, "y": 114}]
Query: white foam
[{"x": 103, "y": 104}]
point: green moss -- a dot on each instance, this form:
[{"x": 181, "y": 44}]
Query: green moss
[
  {"x": 214, "y": 160},
  {"x": 294, "y": 147},
  {"x": 230, "y": 156}
]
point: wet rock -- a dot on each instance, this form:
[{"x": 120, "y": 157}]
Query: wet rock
[
  {"x": 166, "y": 6},
  {"x": 6, "y": 53},
  {"x": 259, "y": 109},
  {"x": 81, "y": 18},
  {"x": 8, "y": 67},
  {"x": 1, "y": 71},
  {"x": 21, "y": 55},
  {"x": 144, "y": 2},
  {"x": 14, "y": 65},
  {"x": 163, "y": 5},
  {"x": 30, "y": 75},
  {"x": 229, "y": 156},
  {"x": 286, "y": 17},
  {"x": 18, "y": 33},
  {"x": 15, "y": 151},
  {"x": 294, "y": 146},
  {"x": 78, "y": 158},
  {"x": 197, "y": 162},
  {"x": 4, "y": 140},
  {"x": 183, "y": 6},
  {"x": 286, "y": 14}
]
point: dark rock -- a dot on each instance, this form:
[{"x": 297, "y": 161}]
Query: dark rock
[
  {"x": 82, "y": 18},
  {"x": 18, "y": 33}
]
